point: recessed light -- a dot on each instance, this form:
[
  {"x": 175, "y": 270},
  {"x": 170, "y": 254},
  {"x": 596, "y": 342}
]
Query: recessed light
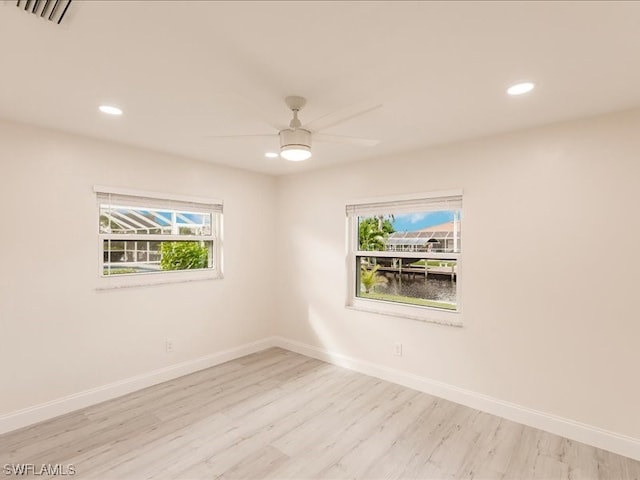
[
  {"x": 520, "y": 88},
  {"x": 111, "y": 110},
  {"x": 271, "y": 155}
]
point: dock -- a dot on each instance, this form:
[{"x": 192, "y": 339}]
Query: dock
[{"x": 416, "y": 272}]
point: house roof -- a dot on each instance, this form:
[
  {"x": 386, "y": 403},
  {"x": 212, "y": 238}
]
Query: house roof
[
  {"x": 440, "y": 232},
  {"x": 443, "y": 227}
]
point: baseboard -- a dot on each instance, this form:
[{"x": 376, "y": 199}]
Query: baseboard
[
  {"x": 60, "y": 406},
  {"x": 580, "y": 432}
]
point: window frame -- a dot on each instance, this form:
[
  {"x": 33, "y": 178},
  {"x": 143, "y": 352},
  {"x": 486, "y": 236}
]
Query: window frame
[
  {"x": 383, "y": 307},
  {"x": 171, "y": 202}
]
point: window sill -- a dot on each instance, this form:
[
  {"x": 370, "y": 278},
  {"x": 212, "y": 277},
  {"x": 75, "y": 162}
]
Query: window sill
[
  {"x": 422, "y": 314},
  {"x": 151, "y": 279}
]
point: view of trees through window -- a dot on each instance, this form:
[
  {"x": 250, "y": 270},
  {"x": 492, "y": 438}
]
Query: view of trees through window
[{"x": 409, "y": 258}]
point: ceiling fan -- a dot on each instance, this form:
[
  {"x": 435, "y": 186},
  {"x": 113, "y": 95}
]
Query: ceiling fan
[{"x": 295, "y": 141}]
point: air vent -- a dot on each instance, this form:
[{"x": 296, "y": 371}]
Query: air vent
[{"x": 52, "y": 10}]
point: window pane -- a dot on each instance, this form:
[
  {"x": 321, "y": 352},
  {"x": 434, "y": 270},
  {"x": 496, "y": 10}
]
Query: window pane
[
  {"x": 425, "y": 282},
  {"x": 121, "y": 219},
  {"x": 434, "y": 231},
  {"x": 146, "y": 257}
]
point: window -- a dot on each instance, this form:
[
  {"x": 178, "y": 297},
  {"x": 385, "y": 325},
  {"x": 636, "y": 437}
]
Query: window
[
  {"x": 405, "y": 255},
  {"x": 143, "y": 234}
]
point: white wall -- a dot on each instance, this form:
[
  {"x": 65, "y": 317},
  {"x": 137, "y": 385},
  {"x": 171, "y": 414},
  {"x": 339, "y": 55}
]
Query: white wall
[
  {"x": 551, "y": 264},
  {"x": 59, "y": 336}
]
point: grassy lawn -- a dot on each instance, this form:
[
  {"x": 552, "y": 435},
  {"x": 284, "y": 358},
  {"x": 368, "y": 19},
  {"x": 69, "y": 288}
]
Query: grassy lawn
[
  {"x": 119, "y": 271},
  {"x": 410, "y": 300}
]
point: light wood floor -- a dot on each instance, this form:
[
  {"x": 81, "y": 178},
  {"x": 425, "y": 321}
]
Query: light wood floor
[{"x": 277, "y": 414}]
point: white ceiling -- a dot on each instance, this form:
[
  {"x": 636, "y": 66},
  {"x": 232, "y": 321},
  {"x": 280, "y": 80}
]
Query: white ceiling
[{"x": 184, "y": 70}]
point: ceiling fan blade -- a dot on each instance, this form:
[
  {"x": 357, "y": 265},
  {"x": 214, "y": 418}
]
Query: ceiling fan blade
[
  {"x": 268, "y": 135},
  {"x": 335, "y": 118},
  {"x": 362, "y": 142}
]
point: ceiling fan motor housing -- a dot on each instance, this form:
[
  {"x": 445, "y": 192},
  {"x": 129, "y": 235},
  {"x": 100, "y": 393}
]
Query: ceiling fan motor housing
[{"x": 299, "y": 137}]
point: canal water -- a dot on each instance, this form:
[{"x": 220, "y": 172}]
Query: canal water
[{"x": 440, "y": 288}]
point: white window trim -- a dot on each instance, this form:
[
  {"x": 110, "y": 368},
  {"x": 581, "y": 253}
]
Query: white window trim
[
  {"x": 381, "y": 307},
  {"x": 105, "y": 282}
]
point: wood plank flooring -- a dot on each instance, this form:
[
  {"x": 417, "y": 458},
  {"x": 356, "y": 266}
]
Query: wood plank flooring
[{"x": 279, "y": 415}]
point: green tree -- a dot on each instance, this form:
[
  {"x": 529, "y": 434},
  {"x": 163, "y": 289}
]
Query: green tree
[
  {"x": 373, "y": 232},
  {"x": 371, "y": 278},
  {"x": 183, "y": 255}
]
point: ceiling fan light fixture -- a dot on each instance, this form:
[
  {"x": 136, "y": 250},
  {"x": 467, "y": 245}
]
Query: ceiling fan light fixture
[
  {"x": 295, "y": 153},
  {"x": 295, "y": 144}
]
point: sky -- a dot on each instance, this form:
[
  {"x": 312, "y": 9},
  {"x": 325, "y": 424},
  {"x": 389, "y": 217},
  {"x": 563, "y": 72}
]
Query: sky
[{"x": 417, "y": 221}]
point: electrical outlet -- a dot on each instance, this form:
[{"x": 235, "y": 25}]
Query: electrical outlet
[
  {"x": 168, "y": 346},
  {"x": 398, "y": 349}
]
